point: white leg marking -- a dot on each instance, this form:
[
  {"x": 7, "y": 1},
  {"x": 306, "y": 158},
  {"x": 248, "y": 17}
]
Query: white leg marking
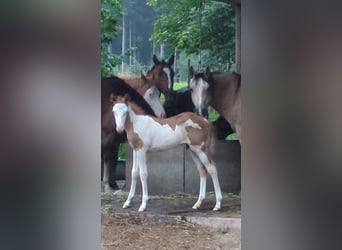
[
  {"x": 211, "y": 168},
  {"x": 105, "y": 179},
  {"x": 135, "y": 173},
  {"x": 203, "y": 180},
  {"x": 143, "y": 177}
]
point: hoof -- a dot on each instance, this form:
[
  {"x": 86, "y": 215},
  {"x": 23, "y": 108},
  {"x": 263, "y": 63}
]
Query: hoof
[
  {"x": 195, "y": 207},
  {"x": 114, "y": 186},
  {"x": 141, "y": 209},
  {"x": 117, "y": 191},
  {"x": 216, "y": 208},
  {"x": 125, "y": 206}
]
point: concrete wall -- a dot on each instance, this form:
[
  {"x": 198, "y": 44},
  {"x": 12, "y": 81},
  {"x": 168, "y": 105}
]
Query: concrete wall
[{"x": 173, "y": 170}]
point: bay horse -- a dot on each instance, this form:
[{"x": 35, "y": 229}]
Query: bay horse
[
  {"x": 162, "y": 74},
  {"x": 110, "y": 139},
  {"x": 220, "y": 91},
  {"x": 146, "y": 133}
]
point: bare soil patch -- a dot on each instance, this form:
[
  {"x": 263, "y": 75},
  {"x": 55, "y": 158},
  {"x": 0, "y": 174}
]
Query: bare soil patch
[{"x": 165, "y": 225}]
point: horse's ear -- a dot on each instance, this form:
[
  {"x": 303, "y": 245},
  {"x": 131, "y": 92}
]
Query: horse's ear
[
  {"x": 155, "y": 60},
  {"x": 171, "y": 60},
  {"x": 191, "y": 72},
  {"x": 207, "y": 72},
  {"x": 143, "y": 77}
]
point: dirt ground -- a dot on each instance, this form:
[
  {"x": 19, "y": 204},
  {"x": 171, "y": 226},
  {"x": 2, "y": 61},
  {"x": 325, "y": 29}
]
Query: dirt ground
[{"x": 168, "y": 223}]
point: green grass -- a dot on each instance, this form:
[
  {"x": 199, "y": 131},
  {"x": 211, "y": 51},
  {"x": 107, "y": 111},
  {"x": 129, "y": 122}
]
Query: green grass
[{"x": 122, "y": 152}]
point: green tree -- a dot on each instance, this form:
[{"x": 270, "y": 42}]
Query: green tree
[
  {"x": 111, "y": 11},
  {"x": 197, "y": 27}
]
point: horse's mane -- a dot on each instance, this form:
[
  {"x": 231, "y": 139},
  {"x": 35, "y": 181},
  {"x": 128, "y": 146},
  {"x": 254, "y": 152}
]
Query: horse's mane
[
  {"x": 210, "y": 80},
  {"x": 120, "y": 88},
  {"x": 238, "y": 77}
]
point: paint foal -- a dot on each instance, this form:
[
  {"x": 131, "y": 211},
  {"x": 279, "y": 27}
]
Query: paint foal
[{"x": 146, "y": 133}]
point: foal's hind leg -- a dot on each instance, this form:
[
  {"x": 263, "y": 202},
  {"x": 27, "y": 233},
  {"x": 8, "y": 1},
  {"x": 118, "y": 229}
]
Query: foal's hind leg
[
  {"x": 135, "y": 169},
  {"x": 203, "y": 180},
  {"x": 211, "y": 168}
]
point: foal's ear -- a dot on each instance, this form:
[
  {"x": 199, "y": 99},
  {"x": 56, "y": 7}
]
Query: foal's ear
[
  {"x": 191, "y": 72},
  {"x": 127, "y": 98},
  {"x": 112, "y": 98},
  {"x": 155, "y": 60}
]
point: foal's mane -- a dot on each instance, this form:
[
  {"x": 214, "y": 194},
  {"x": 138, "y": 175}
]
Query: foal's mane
[{"x": 121, "y": 88}]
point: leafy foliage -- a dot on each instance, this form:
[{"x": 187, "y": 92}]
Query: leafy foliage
[
  {"x": 111, "y": 11},
  {"x": 197, "y": 26}
]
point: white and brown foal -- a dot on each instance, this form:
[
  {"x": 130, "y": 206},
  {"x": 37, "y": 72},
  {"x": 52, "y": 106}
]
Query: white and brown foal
[{"x": 146, "y": 133}]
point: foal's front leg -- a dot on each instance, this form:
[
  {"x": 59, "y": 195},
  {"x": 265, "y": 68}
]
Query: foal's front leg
[
  {"x": 141, "y": 157},
  {"x": 211, "y": 168},
  {"x": 135, "y": 173}
]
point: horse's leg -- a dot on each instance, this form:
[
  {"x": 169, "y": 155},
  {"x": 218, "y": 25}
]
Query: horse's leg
[
  {"x": 211, "y": 168},
  {"x": 105, "y": 178},
  {"x": 143, "y": 177},
  {"x": 203, "y": 180},
  {"x": 110, "y": 158},
  {"x": 238, "y": 133},
  {"x": 135, "y": 173}
]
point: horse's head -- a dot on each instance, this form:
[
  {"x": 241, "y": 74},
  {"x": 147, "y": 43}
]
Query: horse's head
[
  {"x": 163, "y": 74},
  {"x": 152, "y": 96},
  {"x": 120, "y": 110},
  {"x": 200, "y": 90}
]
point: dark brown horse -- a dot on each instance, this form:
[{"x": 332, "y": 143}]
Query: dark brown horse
[
  {"x": 220, "y": 91},
  {"x": 161, "y": 75},
  {"x": 110, "y": 139}
]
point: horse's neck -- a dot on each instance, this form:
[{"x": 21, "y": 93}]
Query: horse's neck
[
  {"x": 135, "y": 116},
  {"x": 137, "y": 84},
  {"x": 224, "y": 93}
]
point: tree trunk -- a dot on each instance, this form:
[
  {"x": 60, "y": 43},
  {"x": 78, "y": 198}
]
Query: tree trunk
[
  {"x": 238, "y": 38},
  {"x": 130, "y": 43},
  {"x": 123, "y": 47}
]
